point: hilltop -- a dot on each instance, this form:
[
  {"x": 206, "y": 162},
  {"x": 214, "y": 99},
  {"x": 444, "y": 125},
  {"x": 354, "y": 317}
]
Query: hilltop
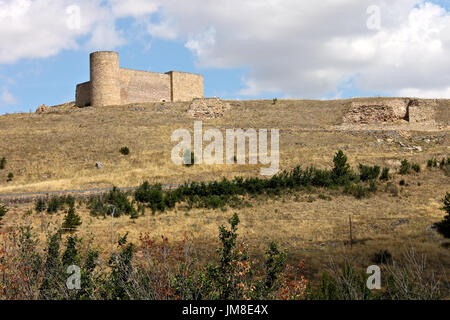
[{"x": 58, "y": 148}]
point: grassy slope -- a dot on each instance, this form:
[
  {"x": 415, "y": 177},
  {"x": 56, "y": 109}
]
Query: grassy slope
[
  {"x": 58, "y": 151},
  {"x": 65, "y": 145}
]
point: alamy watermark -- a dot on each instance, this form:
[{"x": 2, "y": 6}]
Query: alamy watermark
[
  {"x": 374, "y": 20},
  {"x": 74, "y": 17},
  {"x": 74, "y": 280},
  {"x": 235, "y": 147},
  {"x": 374, "y": 280}
]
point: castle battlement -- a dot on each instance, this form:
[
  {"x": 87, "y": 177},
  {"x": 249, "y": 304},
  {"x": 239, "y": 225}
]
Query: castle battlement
[{"x": 112, "y": 85}]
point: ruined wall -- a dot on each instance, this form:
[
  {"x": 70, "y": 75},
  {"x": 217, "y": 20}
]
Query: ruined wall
[
  {"x": 421, "y": 110},
  {"x": 141, "y": 86},
  {"x": 393, "y": 109},
  {"x": 185, "y": 86},
  {"x": 442, "y": 114},
  {"x": 105, "y": 84},
  {"x": 83, "y": 94},
  {"x": 372, "y": 111}
]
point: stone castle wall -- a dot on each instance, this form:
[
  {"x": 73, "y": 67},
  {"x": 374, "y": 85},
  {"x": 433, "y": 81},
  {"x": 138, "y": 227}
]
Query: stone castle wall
[
  {"x": 83, "y": 94},
  {"x": 141, "y": 86},
  {"x": 112, "y": 85},
  {"x": 186, "y": 86},
  {"x": 105, "y": 83}
]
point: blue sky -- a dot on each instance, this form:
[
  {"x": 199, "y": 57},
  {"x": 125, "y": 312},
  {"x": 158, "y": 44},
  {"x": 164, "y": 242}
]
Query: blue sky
[{"x": 237, "y": 62}]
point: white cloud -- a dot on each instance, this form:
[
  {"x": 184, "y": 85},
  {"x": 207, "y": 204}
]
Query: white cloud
[
  {"x": 302, "y": 48},
  {"x": 105, "y": 37},
  {"x": 134, "y": 8},
  {"x": 6, "y": 97},
  {"x": 427, "y": 94},
  {"x": 309, "y": 48},
  {"x": 42, "y": 28},
  {"x": 162, "y": 30}
]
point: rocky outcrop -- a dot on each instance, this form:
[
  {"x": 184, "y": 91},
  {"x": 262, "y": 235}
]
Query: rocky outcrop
[
  {"x": 377, "y": 111},
  {"x": 421, "y": 110},
  {"x": 208, "y": 108},
  {"x": 390, "y": 110},
  {"x": 42, "y": 109}
]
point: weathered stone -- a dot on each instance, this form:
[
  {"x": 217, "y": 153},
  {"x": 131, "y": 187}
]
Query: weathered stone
[
  {"x": 377, "y": 111},
  {"x": 391, "y": 110},
  {"x": 112, "y": 85},
  {"x": 208, "y": 108},
  {"x": 42, "y": 109},
  {"x": 99, "y": 165}
]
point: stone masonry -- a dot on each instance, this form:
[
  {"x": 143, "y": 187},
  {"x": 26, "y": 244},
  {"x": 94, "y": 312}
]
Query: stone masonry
[{"x": 112, "y": 85}]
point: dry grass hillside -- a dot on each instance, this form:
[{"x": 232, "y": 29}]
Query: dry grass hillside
[{"x": 58, "y": 151}]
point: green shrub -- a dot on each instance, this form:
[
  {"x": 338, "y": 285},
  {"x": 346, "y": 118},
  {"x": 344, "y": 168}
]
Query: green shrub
[
  {"x": 117, "y": 284},
  {"x": 403, "y": 182},
  {"x": 71, "y": 221},
  {"x": 217, "y": 194},
  {"x": 274, "y": 265},
  {"x": 357, "y": 190},
  {"x": 373, "y": 186},
  {"x": 274, "y": 100},
  {"x": 3, "y": 210},
  {"x": 134, "y": 214},
  {"x": 405, "y": 167},
  {"x": 443, "y": 227},
  {"x": 40, "y": 205},
  {"x": 10, "y": 176},
  {"x": 341, "y": 171},
  {"x": 416, "y": 167},
  {"x": 213, "y": 202},
  {"x": 434, "y": 163},
  {"x": 52, "y": 268},
  {"x": 54, "y": 205},
  {"x": 115, "y": 200},
  {"x": 153, "y": 196},
  {"x": 368, "y": 173},
  {"x": 125, "y": 151},
  {"x": 443, "y": 163},
  {"x": 170, "y": 199},
  {"x": 2, "y": 163},
  {"x": 385, "y": 174}
]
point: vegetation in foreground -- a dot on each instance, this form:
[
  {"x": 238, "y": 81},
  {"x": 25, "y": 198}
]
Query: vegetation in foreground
[{"x": 154, "y": 270}]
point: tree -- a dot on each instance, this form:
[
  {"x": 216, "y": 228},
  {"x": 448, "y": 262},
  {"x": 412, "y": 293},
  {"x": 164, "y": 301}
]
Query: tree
[
  {"x": 71, "y": 221},
  {"x": 443, "y": 227},
  {"x": 3, "y": 210},
  {"x": 341, "y": 171}
]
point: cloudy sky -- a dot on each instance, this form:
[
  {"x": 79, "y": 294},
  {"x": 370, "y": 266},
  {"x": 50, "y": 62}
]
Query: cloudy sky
[{"x": 245, "y": 48}]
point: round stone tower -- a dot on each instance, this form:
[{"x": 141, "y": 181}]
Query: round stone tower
[{"x": 105, "y": 82}]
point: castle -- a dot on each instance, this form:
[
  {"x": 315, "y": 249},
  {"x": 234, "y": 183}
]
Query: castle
[{"x": 112, "y": 85}]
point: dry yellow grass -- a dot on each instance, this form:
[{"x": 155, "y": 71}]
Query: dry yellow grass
[
  {"x": 308, "y": 226},
  {"x": 58, "y": 151}
]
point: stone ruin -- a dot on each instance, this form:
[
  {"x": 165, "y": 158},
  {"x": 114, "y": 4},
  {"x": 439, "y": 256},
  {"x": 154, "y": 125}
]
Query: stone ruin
[
  {"x": 390, "y": 110},
  {"x": 208, "y": 108}
]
